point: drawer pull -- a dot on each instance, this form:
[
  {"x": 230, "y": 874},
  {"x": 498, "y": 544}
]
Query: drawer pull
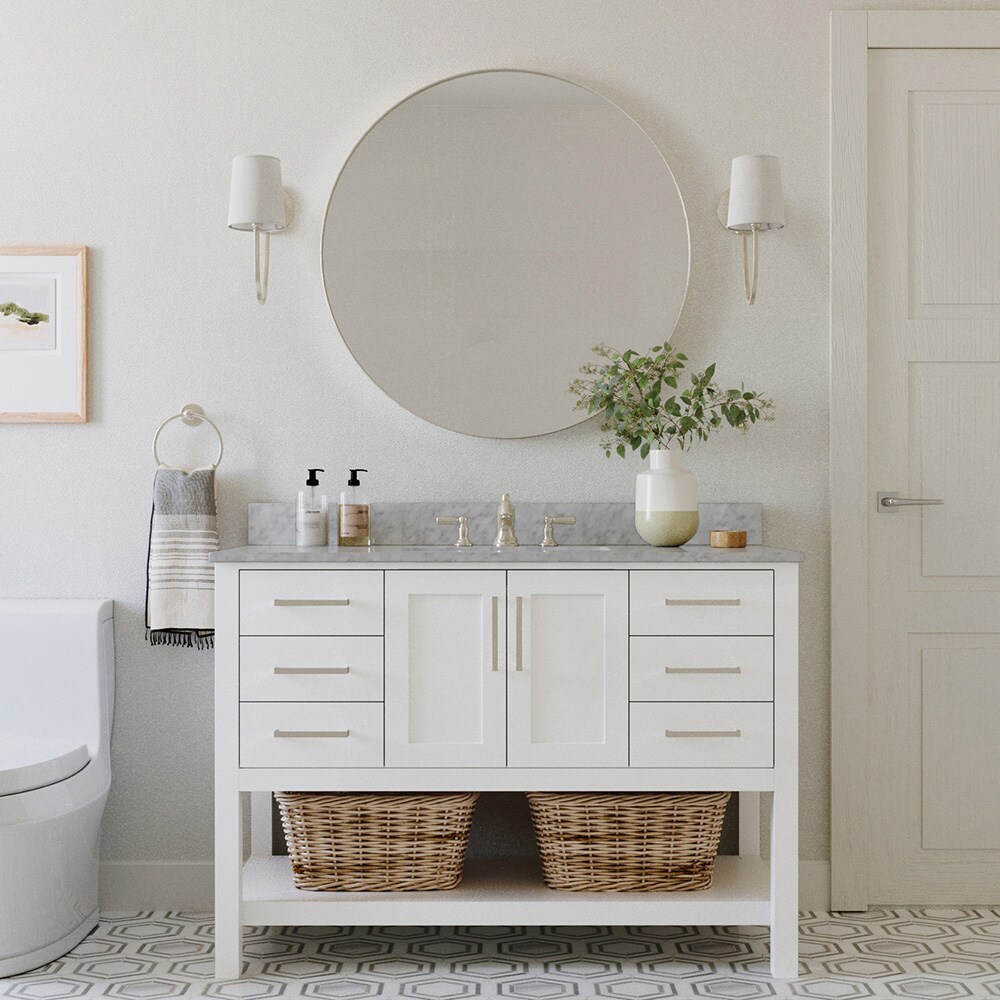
[
  {"x": 702, "y": 734},
  {"x": 312, "y": 670},
  {"x": 704, "y": 602},
  {"x": 294, "y": 602},
  {"x": 703, "y": 670},
  {"x": 312, "y": 734}
]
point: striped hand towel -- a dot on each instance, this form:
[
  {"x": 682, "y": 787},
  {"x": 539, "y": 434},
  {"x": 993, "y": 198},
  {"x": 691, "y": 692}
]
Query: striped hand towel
[{"x": 180, "y": 581}]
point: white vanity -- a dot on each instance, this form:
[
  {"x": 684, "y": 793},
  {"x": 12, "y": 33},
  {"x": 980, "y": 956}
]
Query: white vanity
[{"x": 432, "y": 668}]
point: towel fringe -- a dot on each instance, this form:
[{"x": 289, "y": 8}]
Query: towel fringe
[{"x": 177, "y": 637}]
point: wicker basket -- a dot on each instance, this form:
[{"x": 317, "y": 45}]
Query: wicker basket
[
  {"x": 636, "y": 842},
  {"x": 376, "y": 843}
]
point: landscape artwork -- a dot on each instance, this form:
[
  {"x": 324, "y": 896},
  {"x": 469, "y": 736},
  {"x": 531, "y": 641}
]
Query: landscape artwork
[{"x": 27, "y": 312}]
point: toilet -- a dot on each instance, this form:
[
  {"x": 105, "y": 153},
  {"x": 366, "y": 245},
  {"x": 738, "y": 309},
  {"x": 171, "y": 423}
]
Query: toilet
[{"x": 57, "y": 686}]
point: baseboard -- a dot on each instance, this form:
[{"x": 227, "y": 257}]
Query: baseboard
[
  {"x": 157, "y": 885},
  {"x": 187, "y": 885}
]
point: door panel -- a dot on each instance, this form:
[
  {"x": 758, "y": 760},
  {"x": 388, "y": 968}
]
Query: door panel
[
  {"x": 960, "y": 750},
  {"x": 934, "y": 431},
  {"x": 445, "y": 656},
  {"x": 953, "y": 150},
  {"x": 955, "y": 427},
  {"x": 568, "y": 675}
]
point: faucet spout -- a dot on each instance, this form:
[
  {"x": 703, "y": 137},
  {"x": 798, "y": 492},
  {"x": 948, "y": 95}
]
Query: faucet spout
[{"x": 505, "y": 524}]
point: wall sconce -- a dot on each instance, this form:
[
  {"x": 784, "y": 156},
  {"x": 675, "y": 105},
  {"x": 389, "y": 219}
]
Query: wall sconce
[
  {"x": 259, "y": 204},
  {"x": 753, "y": 204}
]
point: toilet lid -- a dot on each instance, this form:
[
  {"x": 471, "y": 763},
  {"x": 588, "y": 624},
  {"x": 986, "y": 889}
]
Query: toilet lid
[{"x": 27, "y": 762}]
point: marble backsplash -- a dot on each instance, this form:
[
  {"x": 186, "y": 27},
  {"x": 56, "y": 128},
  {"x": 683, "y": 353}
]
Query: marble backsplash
[{"x": 596, "y": 523}]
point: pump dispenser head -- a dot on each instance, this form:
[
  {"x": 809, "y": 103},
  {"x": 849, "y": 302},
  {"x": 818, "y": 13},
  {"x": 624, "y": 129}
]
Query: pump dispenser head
[
  {"x": 354, "y": 481},
  {"x": 312, "y": 480}
]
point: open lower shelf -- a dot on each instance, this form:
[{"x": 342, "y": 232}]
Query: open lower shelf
[{"x": 505, "y": 891}]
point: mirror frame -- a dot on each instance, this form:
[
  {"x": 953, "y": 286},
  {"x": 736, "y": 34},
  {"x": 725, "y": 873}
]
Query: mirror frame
[{"x": 449, "y": 79}]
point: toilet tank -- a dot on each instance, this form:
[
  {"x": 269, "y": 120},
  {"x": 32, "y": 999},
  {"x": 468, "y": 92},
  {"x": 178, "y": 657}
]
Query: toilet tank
[{"x": 57, "y": 670}]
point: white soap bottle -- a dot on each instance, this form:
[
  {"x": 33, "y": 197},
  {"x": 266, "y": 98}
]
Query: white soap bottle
[{"x": 311, "y": 514}]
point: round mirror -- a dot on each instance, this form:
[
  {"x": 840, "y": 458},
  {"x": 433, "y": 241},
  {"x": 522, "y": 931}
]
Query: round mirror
[{"x": 486, "y": 233}]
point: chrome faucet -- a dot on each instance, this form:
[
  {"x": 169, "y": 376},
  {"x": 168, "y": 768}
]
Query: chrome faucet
[{"x": 505, "y": 524}]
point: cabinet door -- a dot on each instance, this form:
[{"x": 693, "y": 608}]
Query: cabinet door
[
  {"x": 567, "y": 677},
  {"x": 445, "y": 656}
]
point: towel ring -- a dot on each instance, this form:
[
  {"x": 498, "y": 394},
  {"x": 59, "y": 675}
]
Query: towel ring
[{"x": 192, "y": 414}]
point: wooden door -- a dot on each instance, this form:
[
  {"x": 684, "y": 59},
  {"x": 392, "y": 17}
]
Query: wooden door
[
  {"x": 445, "y": 658},
  {"x": 934, "y": 433},
  {"x": 567, "y": 681}
]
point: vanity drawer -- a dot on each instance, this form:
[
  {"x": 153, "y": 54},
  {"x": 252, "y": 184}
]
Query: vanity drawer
[
  {"x": 310, "y": 734},
  {"x": 701, "y": 602},
  {"x": 702, "y": 734},
  {"x": 311, "y": 668},
  {"x": 701, "y": 668},
  {"x": 311, "y": 602}
]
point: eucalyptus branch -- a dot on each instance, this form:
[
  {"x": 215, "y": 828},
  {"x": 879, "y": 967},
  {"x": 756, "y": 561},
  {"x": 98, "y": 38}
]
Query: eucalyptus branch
[{"x": 657, "y": 414}]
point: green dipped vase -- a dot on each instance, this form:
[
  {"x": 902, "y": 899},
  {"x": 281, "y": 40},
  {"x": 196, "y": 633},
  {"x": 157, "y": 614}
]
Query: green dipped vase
[{"x": 666, "y": 500}]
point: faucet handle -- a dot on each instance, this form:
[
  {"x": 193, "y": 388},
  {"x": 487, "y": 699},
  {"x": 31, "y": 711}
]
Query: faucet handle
[
  {"x": 548, "y": 539},
  {"x": 463, "y": 529}
]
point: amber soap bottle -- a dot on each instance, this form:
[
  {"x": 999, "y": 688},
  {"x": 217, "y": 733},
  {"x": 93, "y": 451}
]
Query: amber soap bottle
[{"x": 354, "y": 514}]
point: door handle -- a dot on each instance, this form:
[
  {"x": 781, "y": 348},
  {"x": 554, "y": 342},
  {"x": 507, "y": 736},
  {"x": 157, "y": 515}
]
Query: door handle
[
  {"x": 518, "y": 635},
  {"x": 496, "y": 637},
  {"x": 890, "y": 501}
]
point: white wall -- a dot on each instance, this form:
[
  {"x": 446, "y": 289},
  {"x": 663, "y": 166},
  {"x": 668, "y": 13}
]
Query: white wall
[{"x": 117, "y": 124}]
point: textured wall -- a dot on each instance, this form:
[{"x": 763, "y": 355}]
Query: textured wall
[{"x": 119, "y": 121}]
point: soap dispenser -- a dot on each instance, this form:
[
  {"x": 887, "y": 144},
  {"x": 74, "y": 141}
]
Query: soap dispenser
[
  {"x": 311, "y": 514},
  {"x": 354, "y": 514}
]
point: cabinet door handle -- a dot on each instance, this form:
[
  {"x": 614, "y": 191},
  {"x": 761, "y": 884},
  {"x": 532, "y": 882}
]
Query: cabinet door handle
[
  {"x": 312, "y": 734},
  {"x": 701, "y": 734},
  {"x": 518, "y": 635},
  {"x": 496, "y": 636},
  {"x": 294, "y": 602},
  {"x": 312, "y": 670},
  {"x": 702, "y": 670},
  {"x": 704, "y": 602}
]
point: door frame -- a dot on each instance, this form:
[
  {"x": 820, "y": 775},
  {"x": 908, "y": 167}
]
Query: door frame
[{"x": 852, "y": 35}]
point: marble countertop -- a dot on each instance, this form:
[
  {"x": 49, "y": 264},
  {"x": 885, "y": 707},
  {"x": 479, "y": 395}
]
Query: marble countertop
[{"x": 487, "y": 554}]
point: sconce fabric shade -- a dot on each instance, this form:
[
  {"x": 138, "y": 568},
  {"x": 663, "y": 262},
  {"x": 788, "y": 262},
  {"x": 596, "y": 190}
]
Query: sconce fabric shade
[
  {"x": 256, "y": 197},
  {"x": 755, "y": 199}
]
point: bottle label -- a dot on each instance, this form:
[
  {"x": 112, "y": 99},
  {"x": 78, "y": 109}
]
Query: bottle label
[
  {"x": 353, "y": 520},
  {"x": 311, "y": 528}
]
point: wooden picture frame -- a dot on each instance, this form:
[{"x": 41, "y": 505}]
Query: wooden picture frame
[{"x": 43, "y": 334}]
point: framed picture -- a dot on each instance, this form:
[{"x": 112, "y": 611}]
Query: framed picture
[{"x": 43, "y": 334}]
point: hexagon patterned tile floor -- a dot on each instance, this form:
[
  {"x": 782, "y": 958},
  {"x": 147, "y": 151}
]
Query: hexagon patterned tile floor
[{"x": 926, "y": 954}]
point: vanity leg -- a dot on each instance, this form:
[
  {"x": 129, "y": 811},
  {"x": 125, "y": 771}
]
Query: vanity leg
[
  {"x": 749, "y": 824},
  {"x": 228, "y": 882},
  {"x": 784, "y": 885},
  {"x": 228, "y": 801}
]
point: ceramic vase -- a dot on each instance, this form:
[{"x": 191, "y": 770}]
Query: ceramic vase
[{"x": 666, "y": 500}]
